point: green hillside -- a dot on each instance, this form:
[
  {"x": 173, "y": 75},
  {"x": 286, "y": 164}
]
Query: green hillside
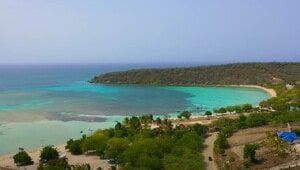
[{"x": 229, "y": 74}]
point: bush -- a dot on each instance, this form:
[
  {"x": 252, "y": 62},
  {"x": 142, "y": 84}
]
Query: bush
[
  {"x": 115, "y": 147},
  {"x": 96, "y": 142},
  {"x": 48, "y": 153},
  {"x": 221, "y": 144},
  {"x": 257, "y": 119},
  {"x": 158, "y": 120},
  {"x": 247, "y": 107},
  {"x": 250, "y": 151},
  {"x": 185, "y": 114},
  {"x": 208, "y": 113},
  {"x": 201, "y": 130},
  {"x": 55, "y": 164},
  {"x": 81, "y": 167},
  {"x": 297, "y": 131},
  {"x": 285, "y": 117},
  {"x": 221, "y": 110},
  {"x": 74, "y": 146},
  {"x": 247, "y": 164},
  {"x": 22, "y": 159}
]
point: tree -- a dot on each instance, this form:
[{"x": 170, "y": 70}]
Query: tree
[
  {"x": 96, "y": 142},
  {"x": 247, "y": 107},
  {"x": 187, "y": 161},
  {"x": 221, "y": 143},
  {"x": 179, "y": 116},
  {"x": 257, "y": 119},
  {"x": 145, "y": 119},
  {"x": 201, "y": 130},
  {"x": 81, "y": 167},
  {"x": 158, "y": 120},
  {"x": 185, "y": 114},
  {"x": 115, "y": 147},
  {"x": 22, "y": 158},
  {"x": 55, "y": 164},
  {"x": 134, "y": 123},
  {"x": 144, "y": 153},
  {"x": 126, "y": 121},
  {"x": 208, "y": 113},
  {"x": 118, "y": 126},
  {"x": 48, "y": 153},
  {"x": 250, "y": 151},
  {"x": 120, "y": 130},
  {"x": 74, "y": 146},
  {"x": 222, "y": 110}
]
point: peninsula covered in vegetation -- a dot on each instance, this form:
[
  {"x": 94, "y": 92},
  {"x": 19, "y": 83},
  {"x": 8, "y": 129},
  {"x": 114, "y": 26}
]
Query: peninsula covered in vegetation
[{"x": 228, "y": 74}]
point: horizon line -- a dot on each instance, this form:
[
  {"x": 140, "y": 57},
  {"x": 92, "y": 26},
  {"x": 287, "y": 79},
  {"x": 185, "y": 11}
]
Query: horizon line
[{"x": 143, "y": 63}]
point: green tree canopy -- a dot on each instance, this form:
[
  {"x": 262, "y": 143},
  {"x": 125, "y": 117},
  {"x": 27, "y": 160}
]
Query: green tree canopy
[
  {"x": 250, "y": 151},
  {"x": 22, "y": 158},
  {"x": 48, "y": 153}
]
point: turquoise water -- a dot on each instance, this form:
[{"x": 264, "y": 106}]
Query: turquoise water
[{"x": 42, "y": 105}]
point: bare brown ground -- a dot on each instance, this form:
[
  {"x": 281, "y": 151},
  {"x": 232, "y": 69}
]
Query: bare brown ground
[{"x": 264, "y": 154}]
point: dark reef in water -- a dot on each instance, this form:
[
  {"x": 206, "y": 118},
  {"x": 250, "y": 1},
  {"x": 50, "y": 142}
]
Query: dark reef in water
[{"x": 74, "y": 117}]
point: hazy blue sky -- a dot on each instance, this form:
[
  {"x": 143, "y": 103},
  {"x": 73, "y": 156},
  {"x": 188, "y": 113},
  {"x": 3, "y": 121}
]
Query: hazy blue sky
[{"x": 104, "y": 31}]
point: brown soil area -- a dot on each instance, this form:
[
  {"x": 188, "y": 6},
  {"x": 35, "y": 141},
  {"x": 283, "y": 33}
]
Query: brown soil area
[{"x": 267, "y": 158}]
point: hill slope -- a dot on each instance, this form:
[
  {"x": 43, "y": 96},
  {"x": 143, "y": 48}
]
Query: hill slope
[{"x": 229, "y": 74}]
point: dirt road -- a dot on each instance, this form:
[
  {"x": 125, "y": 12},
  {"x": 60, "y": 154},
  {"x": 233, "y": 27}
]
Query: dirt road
[{"x": 209, "y": 152}]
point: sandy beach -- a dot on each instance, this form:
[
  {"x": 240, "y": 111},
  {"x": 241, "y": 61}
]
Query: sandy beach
[
  {"x": 271, "y": 92},
  {"x": 7, "y": 163}
]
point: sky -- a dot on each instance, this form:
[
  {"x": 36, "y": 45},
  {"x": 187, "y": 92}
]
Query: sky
[{"x": 141, "y": 31}]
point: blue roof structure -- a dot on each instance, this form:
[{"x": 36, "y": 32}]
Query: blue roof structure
[{"x": 287, "y": 136}]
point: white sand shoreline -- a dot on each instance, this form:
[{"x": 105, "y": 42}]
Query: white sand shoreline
[{"x": 270, "y": 91}]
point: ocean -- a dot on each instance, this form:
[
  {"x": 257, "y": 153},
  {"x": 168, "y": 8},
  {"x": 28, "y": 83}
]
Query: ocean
[{"x": 48, "y": 104}]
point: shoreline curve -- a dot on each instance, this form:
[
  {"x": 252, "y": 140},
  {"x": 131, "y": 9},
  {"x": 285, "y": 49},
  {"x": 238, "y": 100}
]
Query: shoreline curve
[{"x": 270, "y": 91}]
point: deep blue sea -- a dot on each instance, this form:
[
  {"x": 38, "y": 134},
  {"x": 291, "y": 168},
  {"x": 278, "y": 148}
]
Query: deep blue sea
[{"x": 48, "y": 104}]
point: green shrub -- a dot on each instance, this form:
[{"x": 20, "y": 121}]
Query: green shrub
[
  {"x": 22, "y": 158},
  {"x": 257, "y": 119},
  {"x": 74, "y": 146},
  {"x": 201, "y": 130},
  {"x": 221, "y": 110},
  {"x": 285, "y": 117},
  {"x": 208, "y": 113},
  {"x": 185, "y": 114},
  {"x": 297, "y": 131},
  {"x": 115, "y": 147},
  {"x": 55, "y": 164},
  {"x": 250, "y": 151},
  {"x": 97, "y": 142},
  {"x": 81, "y": 167},
  {"x": 221, "y": 144},
  {"x": 247, "y": 107},
  {"x": 247, "y": 163},
  {"x": 48, "y": 153}
]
